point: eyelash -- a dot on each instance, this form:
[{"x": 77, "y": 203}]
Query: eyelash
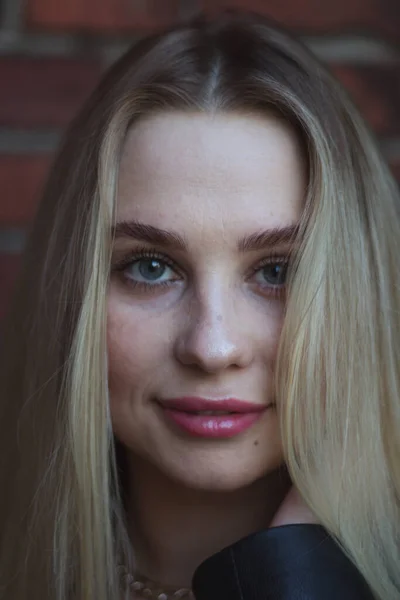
[{"x": 150, "y": 253}]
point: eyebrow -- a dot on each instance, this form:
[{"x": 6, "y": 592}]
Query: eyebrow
[{"x": 262, "y": 240}]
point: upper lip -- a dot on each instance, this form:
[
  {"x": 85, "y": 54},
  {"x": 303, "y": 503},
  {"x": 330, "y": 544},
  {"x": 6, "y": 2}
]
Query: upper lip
[{"x": 196, "y": 404}]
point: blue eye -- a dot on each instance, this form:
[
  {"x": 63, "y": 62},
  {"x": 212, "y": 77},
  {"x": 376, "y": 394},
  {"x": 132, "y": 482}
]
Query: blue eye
[
  {"x": 147, "y": 270},
  {"x": 275, "y": 273}
]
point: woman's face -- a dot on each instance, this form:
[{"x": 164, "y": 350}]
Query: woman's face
[{"x": 197, "y": 293}]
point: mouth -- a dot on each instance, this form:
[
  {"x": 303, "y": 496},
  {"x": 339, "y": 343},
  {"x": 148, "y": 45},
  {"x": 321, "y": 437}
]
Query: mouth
[
  {"x": 209, "y": 412},
  {"x": 200, "y": 417},
  {"x": 195, "y": 404}
]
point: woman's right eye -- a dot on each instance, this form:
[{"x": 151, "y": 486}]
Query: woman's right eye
[
  {"x": 152, "y": 271},
  {"x": 147, "y": 270}
]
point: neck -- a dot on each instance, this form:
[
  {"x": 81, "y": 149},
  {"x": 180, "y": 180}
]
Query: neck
[{"x": 175, "y": 528}]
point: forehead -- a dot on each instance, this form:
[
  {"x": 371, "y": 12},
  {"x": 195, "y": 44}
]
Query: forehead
[{"x": 225, "y": 170}]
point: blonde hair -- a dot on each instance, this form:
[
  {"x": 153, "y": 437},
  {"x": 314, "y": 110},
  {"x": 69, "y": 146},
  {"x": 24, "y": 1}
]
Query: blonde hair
[{"x": 62, "y": 520}]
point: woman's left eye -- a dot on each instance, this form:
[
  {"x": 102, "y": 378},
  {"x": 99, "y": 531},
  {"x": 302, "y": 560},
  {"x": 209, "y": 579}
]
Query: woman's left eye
[{"x": 273, "y": 273}]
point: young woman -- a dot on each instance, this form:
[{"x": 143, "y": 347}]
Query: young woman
[{"x": 200, "y": 392}]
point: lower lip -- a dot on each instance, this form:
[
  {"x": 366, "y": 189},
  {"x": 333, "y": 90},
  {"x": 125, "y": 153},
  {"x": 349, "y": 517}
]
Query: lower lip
[{"x": 213, "y": 426}]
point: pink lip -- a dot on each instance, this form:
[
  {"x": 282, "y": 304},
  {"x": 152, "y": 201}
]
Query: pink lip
[{"x": 182, "y": 411}]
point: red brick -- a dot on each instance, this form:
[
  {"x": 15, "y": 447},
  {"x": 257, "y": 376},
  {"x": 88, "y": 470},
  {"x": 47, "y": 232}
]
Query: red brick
[
  {"x": 9, "y": 266},
  {"x": 376, "y": 92},
  {"x": 44, "y": 92},
  {"x": 104, "y": 15},
  {"x": 21, "y": 181},
  {"x": 309, "y": 16}
]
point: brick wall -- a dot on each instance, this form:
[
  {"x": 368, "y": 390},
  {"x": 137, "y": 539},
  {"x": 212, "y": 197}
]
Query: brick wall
[{"x": 52, "y": 53}]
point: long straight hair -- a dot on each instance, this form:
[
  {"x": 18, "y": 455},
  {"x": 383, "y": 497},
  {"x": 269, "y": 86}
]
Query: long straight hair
[{"x": 62, "y": 519}]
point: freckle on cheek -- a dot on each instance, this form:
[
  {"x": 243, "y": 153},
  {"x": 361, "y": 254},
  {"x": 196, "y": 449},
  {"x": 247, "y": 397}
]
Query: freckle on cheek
[{"x": 256, "y": 443}]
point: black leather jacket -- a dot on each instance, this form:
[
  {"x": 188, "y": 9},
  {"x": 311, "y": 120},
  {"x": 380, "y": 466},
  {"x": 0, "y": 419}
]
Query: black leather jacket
[{"x": 293, "y": 562}]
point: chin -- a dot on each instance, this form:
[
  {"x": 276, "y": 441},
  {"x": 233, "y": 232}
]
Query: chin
[
  {"x": 219, "y": 471},
  {"x": 218, "y": 481}
]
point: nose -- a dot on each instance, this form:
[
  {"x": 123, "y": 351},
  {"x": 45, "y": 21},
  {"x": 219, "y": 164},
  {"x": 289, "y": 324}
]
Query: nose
[{"x": 214, "y": 338}]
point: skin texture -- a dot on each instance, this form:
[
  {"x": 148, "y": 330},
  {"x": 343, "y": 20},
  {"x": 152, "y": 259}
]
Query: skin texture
[{"x": 212, "y": 332}]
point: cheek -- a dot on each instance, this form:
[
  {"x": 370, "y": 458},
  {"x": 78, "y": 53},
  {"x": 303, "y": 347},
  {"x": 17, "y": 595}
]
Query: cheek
[
  {"x": 137, "y": 356},
  {"x": 272, "y": 327},
  {"x": 134, "y": 346}
]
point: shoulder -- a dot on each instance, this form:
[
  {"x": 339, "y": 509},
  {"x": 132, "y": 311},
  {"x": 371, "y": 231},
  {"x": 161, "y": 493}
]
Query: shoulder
[{"x": 292, "y": 562}]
